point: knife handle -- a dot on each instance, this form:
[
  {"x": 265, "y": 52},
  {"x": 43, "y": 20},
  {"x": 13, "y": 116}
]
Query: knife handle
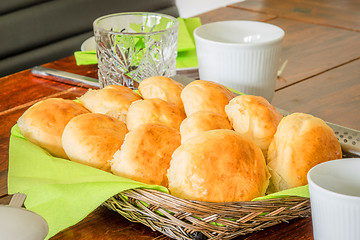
[{"x": 64, "y": 77}]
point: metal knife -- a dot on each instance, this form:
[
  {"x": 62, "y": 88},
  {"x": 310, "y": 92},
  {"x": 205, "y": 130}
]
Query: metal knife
[{"x": 64, "y": 77}]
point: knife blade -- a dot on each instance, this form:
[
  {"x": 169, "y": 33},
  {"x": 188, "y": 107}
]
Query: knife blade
[{"x": 64, "y": 77}]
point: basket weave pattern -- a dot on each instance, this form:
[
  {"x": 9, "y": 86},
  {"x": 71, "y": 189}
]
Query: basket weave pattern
[{"x": 186, "y": 219}]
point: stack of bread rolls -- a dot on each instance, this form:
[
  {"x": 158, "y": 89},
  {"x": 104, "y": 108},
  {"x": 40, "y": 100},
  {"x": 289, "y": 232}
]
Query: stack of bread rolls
[{"x": 201, "y": 140}]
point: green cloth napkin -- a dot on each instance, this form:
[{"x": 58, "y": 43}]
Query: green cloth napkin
[
  {"x": 302, "y": 191},
  {"x": 185, "y": 40},
  {"x": 61, "y": 191},
  {"x": 65, "y": 192},
  {"x": 85, "y": 57},
  {"x": 186, "y": 57}
]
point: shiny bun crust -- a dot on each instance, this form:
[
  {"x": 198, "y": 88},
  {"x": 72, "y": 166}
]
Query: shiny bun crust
[
  {"x": 93, "y": 138},
  {"x": 44, "y": 122},
  {"x": 203, "y": 95},
  {"x": 113, "y": 100},
  {"x": 218, "y": 166},
  {"x": 154, "y": 111},
  {"x": 202, "y": 121},
  {"x": 254, "y": 117},
  {"x": 164, "y": 88},
  {"x": 146, "y": 153},
  {"x": 301, "y": 142}
]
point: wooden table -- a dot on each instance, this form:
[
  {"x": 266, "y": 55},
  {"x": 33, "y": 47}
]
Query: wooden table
[{"x": 322, "y": 77}]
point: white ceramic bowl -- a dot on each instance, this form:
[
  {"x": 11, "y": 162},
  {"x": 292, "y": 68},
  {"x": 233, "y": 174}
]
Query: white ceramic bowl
[
  {"x": 21, "y": 224},
  {"x": 89, "y": 44},
  {"x": 243, "y": 55},
  {"x": 335, "y": 199}
]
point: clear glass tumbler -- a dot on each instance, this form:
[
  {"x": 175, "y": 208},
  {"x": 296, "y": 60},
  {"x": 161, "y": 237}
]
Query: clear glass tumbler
[{"x": 133, "y": 46}]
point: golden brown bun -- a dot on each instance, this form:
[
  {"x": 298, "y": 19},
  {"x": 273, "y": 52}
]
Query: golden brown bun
[
  {"x": 113, "y": 100},
  {"x": 301, "y": 142},
  {"x": 154, "y": 111},
  {"x": 146, "y": 153},
  {"x": 93, "y": 138},
  {"x": 254, "y": 117},
  {"x": 164, "y": 88},
  {"x": 218, "y": 166},
  {"x": 203, "y": 95},
  {"x": 44, "y": 122},
  {"x": 202, "y": 121}
]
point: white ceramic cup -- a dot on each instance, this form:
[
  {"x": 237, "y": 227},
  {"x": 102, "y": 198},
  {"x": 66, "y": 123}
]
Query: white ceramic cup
[
  {"x": 243, "y": 55},
  {"x": 335, "y": 199}
]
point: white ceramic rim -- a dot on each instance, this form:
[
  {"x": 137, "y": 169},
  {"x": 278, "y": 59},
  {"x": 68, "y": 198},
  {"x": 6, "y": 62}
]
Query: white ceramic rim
[
  {"x": 315, "y": 185},
  {"x": 176, "y": 22},
  {"x": 281, "y": 36},
  {"x": 88, "y": 42}
]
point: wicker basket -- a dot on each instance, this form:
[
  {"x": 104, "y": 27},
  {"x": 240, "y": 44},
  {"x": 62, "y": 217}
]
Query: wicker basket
[{"x": 186, "y": 219}]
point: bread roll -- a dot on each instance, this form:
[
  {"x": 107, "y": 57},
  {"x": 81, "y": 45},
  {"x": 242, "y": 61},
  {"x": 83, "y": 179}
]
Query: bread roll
[
  {"x": 44, "y": 122},
  {"x": 301, "y": 142},
  {"x": 202, "y": 121},
  {"x": 254, "y": 117},
  {"x": 113, "y": 100},
  {"x": 154, "y": 111},
  {"x": 203, "y": 95},
  {"x": 93, "y": 138},
  {"x": 164, "y": 88},
  {"x": 218, "y": 166},
  {"x": 146, "y": 153}
]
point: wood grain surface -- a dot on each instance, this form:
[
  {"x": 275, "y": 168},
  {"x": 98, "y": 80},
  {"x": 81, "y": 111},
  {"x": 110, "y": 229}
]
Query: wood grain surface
[
  {"x": 314, "y": 49},
  {"x": 333, "y": 13},
  {"x": 229, "y": 14},
  {"x": 333, "y": 96}
]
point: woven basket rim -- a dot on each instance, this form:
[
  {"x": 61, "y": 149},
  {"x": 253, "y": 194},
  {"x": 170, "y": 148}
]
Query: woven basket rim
[{"x": 188, "y": 219}]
